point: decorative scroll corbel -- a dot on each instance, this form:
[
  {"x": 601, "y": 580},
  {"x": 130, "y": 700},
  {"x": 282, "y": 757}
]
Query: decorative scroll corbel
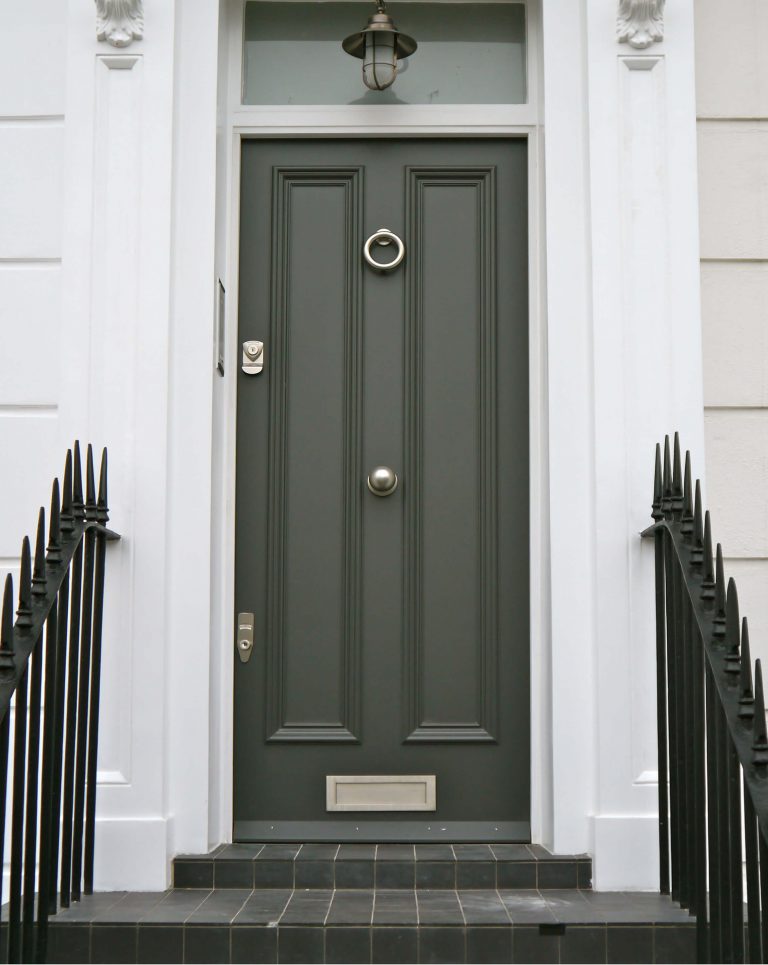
[
  {"x": 119, "y": 22},
  {"x": 640, "y": 22}
]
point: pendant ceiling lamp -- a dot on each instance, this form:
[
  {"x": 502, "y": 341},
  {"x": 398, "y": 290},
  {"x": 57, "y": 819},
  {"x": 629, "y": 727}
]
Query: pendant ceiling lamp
[{"x": 380, "y": 46}]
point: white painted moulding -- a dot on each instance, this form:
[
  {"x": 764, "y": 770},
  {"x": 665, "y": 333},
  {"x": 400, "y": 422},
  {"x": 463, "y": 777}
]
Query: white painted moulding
[
  {"x": 640, "y": 23},
  {"x": 380, "y": 792},
  {"x": 119, "y": 22}
]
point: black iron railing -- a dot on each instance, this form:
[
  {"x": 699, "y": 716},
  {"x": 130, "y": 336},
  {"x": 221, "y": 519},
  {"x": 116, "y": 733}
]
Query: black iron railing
[
  {"x": 50, "y": 664},
  {"x": 712, "y": 741}
]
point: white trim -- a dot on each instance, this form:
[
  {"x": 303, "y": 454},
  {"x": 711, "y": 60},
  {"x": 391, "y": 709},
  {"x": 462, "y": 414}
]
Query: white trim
[{"x": 390, "y": 120}]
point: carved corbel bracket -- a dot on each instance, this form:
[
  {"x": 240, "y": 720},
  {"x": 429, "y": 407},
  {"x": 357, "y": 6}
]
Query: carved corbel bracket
[
  {"x": 640, "y": 23},
  {"x": 119, "y": 22}
]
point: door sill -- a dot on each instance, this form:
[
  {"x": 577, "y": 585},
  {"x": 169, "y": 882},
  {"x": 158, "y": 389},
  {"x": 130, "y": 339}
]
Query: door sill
[{"x": 455, "y": 832}]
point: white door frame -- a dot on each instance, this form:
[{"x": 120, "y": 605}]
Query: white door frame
[{"x": 519, "y": 121}]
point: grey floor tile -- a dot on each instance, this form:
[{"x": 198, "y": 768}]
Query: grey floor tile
[
  {"x": 439, "y": 908},
  {"x": 220, "y": 907},
  {"x": 630, "y": 945},
  {"x": 557, "y": 874},
  {"x": 317, "y": 852},
  {"x": 356, "y": 852},
  {"x": 442, "y": 945},
  {"x": 483, "y": 908},
  {"x": 132, "y": 908},
  {"x": 113, "y": 944},
  {"x": 239, "y": 852},
  {"x": 207, "y": 944},
  {"x": 511, "y": 852},
  {"x": 253, "y": 944},
  {"x": 347, "y": 946},
  {"x": 313, "y": 874},
  {"x": 473, "y": 852},
  {"x": 69, "y": 944},
  {"x": 354, "y": 874},
  {"x": 84, "y": 910},
  {"x": 233, "y": 873},
  {"x": 526, "y": 907},
  {"x": 395, "y": 874},
  {"x": 570, "y": 906},
  {"x": 304, "y": 946},
  {"x": 263, "y": 907},
  {"x": 436, "y": 874},
  {"x": 530, "y": 945},
  {"x": 192, "y": 874},
  {"x": 307, "y": 908},
  {"x": 674, "y": 944},
  {"x": 176, "y": 907},
  {"x": 395, "y": 945},
  {"x": 583, "y": 944},
  {"x": 489, "y": 945},
  {"x": 278, "y": 852},
  {"x": 395, "y": 908},
  {"x": 160, "y": 944},
  {"x": 351, "y": 908},
  {"x": 434, "y": 852},
  {"x": 395, "y": 852}
]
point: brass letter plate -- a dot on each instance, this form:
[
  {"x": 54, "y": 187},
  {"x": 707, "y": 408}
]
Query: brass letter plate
[{"x": 381, "y": 792}]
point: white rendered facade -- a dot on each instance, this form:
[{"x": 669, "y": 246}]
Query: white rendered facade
[{"x": 120, "y": 174}]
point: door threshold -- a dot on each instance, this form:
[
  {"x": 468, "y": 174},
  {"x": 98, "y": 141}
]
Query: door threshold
[{"x": 376, "y": 832}]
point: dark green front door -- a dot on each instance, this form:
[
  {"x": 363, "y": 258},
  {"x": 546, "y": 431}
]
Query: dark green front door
[{"x": 391, "y": 636}]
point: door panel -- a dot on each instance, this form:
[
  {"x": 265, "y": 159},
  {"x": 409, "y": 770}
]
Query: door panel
[
  {"x": 451, "y": 523},
  {"x": 391, "y": 633},
  {"x": 313, "y": 593}
]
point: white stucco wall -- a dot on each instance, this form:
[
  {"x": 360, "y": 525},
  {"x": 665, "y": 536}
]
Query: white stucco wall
[
  {"x": 32, "y": 118},
  {"x": 732, "y": 108}
]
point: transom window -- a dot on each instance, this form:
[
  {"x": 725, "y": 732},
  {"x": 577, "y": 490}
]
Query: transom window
[{"x": 468, "y": 53}]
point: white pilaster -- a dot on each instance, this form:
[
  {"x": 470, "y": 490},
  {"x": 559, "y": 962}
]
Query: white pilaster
[{"x": 647, "y": 381}]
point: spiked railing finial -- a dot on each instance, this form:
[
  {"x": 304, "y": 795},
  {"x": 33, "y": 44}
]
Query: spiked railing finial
[
  {"x": 67, "y": 515},
  {"x": 54, "y": 532},
  {"x": 666, "y": 504},
  {"x": 708, "y": 580},
  {"x": 732, "y": 630},
  {"x": 102, "y": 507},
  {"x": 78, "y": 505},
  {"x": 6, "y": 630},
  {"x": 760, "y": 742},
  {"x": 90, "y": 487},
  {"x": 746, "y": 692},
  {"x": 677, "y": 476},
  {"x": 658, "y": 488},
  {"x": 697, "y": 552},
  {"x": 24, "y": 612},
  {"x": 686, "y": 524},
  {"x": 38, "y": 574},
  {"x": 719, "y": 617}
]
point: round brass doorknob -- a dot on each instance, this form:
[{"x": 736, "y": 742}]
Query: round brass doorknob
[{"x": 382, "y": 481}]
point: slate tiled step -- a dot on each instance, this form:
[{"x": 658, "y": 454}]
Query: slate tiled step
[
  {"x": 319, "y": 925},
  {"x": 418, "y": 866}
]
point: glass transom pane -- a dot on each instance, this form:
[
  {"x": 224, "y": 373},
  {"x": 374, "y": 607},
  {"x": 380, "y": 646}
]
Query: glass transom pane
[{"x": 468, "y": 53}]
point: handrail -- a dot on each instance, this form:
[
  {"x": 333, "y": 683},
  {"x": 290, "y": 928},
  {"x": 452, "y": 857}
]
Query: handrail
[
  {"x": 712, "y": 740},
  {"x": 50, "y": 673}
]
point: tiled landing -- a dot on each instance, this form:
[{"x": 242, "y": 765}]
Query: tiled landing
[
  {"x": 466, "y": 866},
  {"x": 362, "y": 925}
]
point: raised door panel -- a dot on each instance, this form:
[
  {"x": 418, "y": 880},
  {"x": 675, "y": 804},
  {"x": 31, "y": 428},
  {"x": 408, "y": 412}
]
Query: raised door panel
[
  {"x": 314, "y": 443},
  {"x": 451, "y": 556}
]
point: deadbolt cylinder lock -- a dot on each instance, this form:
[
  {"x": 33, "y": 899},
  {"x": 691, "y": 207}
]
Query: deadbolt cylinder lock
[{"x": 253, "y": 357}]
